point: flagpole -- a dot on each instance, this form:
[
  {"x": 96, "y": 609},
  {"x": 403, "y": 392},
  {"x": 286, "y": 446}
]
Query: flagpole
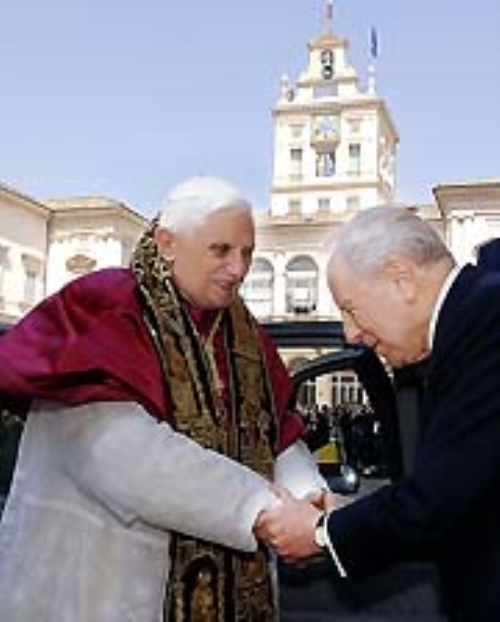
[
  {"x": 329, "y": 16},
  {"x": 372, "y": 69}
]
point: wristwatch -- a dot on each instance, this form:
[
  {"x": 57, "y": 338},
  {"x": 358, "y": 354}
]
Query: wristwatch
[{"x": 319, "y": 532}]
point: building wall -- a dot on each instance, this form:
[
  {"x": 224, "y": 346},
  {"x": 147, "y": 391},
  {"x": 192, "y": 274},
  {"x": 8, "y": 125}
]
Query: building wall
[
  {"x": 23, "y": 249},
  {"x": 43, "y": 246},
  {"x": 465, "y": 215},
  {"x": 89, "y": 234}
]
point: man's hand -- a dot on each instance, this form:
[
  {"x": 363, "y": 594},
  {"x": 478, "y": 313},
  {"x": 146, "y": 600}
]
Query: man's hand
[
  {"x": 288, "y": 528},
  {"x": 326, "y": 500}
]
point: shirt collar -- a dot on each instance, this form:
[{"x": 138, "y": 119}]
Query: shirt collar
[{"x": 445, "y": 288}]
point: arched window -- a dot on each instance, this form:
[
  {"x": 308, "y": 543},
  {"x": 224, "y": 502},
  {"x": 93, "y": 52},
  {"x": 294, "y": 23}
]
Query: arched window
[
  {"x": 301, "y": 285},
  {"x": 257, "y": 289}
]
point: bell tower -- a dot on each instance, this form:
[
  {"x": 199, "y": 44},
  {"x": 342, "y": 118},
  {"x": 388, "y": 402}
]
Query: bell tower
[{"x": 334, "y": 142}]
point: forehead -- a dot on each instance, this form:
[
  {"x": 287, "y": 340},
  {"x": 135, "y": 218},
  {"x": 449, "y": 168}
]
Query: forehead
[
  {"x": 232, "y": 225},
  {"x": 345, "y": 284},
  {"x": 340, "y": 276}
]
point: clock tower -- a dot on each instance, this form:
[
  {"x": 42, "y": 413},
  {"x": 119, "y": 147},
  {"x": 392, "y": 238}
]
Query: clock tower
[{"x": 334, "y": 141}]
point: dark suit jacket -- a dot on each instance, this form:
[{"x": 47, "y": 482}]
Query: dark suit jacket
[
  {"x": 448, "y": 510},
  {"x": 488, "y": 254}
]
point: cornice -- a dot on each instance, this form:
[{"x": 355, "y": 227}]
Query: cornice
[
  {"x": 93, "y": 206},
  {"x": 13, "y": 194},
  {"x": 476, "y": 196}
]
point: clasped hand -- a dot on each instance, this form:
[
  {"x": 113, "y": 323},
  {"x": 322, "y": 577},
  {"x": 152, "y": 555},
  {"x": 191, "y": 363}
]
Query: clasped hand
[{"x": 288, "y": 527}]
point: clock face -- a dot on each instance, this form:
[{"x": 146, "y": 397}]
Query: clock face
[{"x": 326, "y": 125}]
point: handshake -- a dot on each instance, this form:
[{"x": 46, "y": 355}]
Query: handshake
[{"x": 290, "y": 526}]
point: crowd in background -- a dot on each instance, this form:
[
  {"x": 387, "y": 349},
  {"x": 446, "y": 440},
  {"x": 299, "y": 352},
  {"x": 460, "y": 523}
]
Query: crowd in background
[{"x": 354, "y": 430}]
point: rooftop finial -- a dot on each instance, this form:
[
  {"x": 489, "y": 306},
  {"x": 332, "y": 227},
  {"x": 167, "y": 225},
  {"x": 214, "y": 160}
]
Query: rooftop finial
[{"x": 329, "y": 15}]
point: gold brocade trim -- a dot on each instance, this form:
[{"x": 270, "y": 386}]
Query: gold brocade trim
[
  {"x": 208, "y": 582},
  {"x": 219, "y": 585}
]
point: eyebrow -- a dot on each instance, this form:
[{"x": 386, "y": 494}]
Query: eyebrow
[
  {"x": 250, "y": 247},
  {"x": 346, "y": 304}
]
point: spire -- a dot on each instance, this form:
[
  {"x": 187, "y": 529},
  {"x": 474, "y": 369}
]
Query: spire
[{"x": 329, "y": 15}]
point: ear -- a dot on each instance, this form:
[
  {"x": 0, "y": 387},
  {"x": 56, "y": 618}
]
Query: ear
[
  {"x": 165, "y": 241},
  {"x": 402, "y": 273}
]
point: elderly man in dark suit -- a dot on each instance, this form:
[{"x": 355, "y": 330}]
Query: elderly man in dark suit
[{"x": 401, "y": 293}]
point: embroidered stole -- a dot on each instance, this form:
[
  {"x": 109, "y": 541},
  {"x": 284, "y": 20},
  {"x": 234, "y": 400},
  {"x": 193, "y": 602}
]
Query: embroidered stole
[{"x": 209, "y": 582}]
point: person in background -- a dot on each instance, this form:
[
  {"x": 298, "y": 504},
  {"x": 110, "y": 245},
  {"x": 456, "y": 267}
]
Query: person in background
[
  {"x": 159, "y": 415},
  {"x": 401, "y": 293}
]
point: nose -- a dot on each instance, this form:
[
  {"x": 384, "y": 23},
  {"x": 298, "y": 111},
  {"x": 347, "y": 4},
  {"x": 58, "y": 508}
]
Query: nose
[
  {"x": 237, "y": 266},
  {"x": 352, "y": 332}
]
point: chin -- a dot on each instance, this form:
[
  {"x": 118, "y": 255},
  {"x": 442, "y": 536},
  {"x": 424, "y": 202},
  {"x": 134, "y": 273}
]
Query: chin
[
  {"x": 403, "y": 362},
  {"x": 393, "y": 361},
  {"x": 227, "y": 301},
  {"x": 226, "y": 297},
  {"x": 397, "y": 364},
  {"x": 220, "y": 303}
]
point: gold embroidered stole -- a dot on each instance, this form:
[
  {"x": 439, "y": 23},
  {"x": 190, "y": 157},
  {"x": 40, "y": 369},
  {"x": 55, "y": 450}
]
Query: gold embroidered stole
[{"x": 209, "y": 582}]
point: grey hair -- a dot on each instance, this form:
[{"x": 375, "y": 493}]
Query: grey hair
[
  {"x": 190, "y": 202},
  {"x": 366, "y": 242}
]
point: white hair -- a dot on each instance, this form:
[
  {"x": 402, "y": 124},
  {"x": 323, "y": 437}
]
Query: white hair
[
  {"x": 190, "y": 202},
  {"x": 366, "y": 242}
]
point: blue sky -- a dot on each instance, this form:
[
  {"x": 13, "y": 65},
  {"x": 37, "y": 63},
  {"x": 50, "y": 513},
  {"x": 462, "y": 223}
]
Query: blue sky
[{"x": 125, "y": 99}]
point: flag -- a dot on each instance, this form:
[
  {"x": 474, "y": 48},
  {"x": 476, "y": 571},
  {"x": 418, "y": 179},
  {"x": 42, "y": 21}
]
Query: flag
[
  {"x": 329, "y": 11},
  {"x": 373, "y": 43}
]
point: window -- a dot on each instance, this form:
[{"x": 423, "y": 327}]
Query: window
[
  {"x": 127, "y": 250},
  {"x": 30, "y": 288},
  {"x": 354, "y": 159},
  {"x": 295, "y": 207},
  {"x": 301, "y": 285},
  {"x": 327, "y": 64},
  {"x": 32, "y": 271},
  {"x": 324, "y": 205},
  {"x": 324, "y": 91},
  {"x": 295, "y": 164},
  {"x": 326, "y": 164},
  {"x": 346, "y": 389},
  {"x": 3, "y": 268},
  {"x": 352, "y": 202},
  {"x": 307, "y": 393}
]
